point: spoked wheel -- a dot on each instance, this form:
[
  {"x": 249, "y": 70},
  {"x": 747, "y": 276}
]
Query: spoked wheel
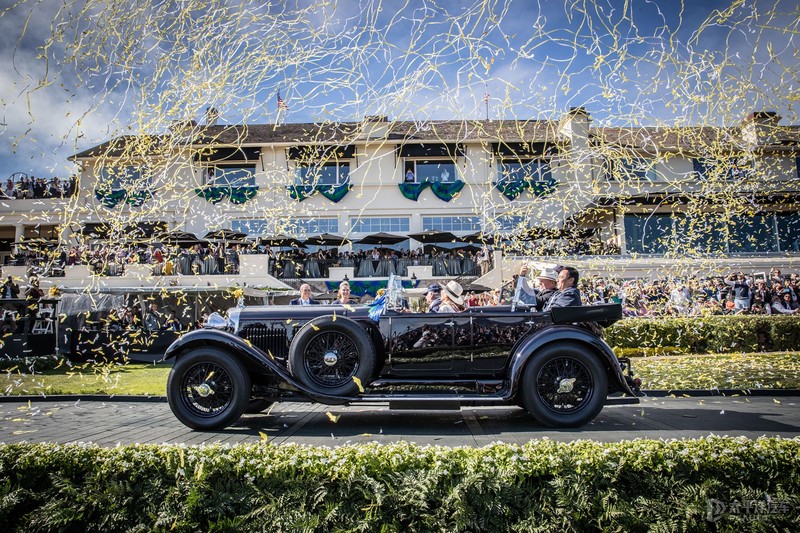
[
  {"x": 328, "y": 356},
  {"x": 331, "y": 359},
  {"x": 564, "y": 386},
  {"x": 208, "y": 389}
]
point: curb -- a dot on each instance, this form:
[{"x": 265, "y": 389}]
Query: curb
[
  {"x": 678, "y": 393},
  {"x": 84, "y": 398},
  {"x": 719, "y": 392}
]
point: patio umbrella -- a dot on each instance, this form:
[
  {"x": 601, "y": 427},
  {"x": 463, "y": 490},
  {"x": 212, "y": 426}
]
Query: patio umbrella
[
  {"x": 226, "y": 235},
  {"x": 458, "y": 247},
  {"x": 181, "y": 238},
  {"x": 382, "y": 238},
  {"x": 327, "y": 239},
  {"x": 479, "y": 238},
  {"x": 433, "y": 236},
  {"x": 36, "y": 243},
  {"x": 281, "y": 240},
  {"x": 95, "y": 230}
]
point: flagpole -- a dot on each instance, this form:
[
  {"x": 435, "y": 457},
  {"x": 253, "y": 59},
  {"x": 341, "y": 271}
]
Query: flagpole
[{"x": 486, "y": 100}]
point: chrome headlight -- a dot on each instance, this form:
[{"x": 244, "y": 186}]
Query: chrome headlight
[
  {"x": 215, "y": 321},
  {"x": 233, "y": 318}
]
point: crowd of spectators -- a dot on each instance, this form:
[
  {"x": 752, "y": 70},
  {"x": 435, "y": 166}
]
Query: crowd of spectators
[
  {"x": 112, "y": 260},
  {"x": 384, "y": 262},
  {"x": 736, "y": 293},
  {"x": 223, "y": 258},
  {"x": 30, "y": 187}
]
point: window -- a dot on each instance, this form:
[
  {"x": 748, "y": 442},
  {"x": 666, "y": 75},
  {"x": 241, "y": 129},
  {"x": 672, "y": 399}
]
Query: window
[
  {"x": 128, "y": 177},
  {"x": 231, "y": 175},
  {"x": 329, "y": 173},
  {"x": 788, "y": 231},
  {"x": 709, "y": 234},
  {"x": 313, "y": 226},
  {"x": 251, "y": 227},
  {"x": 464, "y": 223},
  {"x": 648, "y": 233},
  {"x": 296, "y": 226},
  {"x": 732, "y": 168},
  {"x": 378, "y": 224},
  {"x": 752, "y": 233},
  {"x": 511, "y": 223},
  {"x": 516, "y": 170},
  {"x": 629, "y": 169},
  {"x": 430, "y": 170}
]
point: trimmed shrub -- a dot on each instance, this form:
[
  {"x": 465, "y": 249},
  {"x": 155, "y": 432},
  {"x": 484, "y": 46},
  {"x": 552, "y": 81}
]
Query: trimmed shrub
[
  {"x": 713, "y": 334},
  {"x": 31, "y": 364},
  {"x": 540, "y": 486}
]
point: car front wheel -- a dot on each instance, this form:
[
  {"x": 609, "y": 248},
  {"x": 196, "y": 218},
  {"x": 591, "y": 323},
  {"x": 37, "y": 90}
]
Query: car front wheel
[
  {"x": 208, "y": 389},
  {"x": 564, "y": 386}
]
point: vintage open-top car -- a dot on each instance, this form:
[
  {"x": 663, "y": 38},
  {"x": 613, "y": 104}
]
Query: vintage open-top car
[{"x": 553, "y": 364}]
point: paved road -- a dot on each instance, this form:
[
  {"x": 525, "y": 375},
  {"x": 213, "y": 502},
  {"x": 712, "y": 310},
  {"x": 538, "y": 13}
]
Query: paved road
[{"x": 111, "y": 423}]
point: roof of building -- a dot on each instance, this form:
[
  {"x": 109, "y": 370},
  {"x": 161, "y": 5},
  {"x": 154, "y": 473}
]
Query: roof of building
[{"x": 697, "y": 139}]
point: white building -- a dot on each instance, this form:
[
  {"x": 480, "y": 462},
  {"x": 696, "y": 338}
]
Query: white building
[{"x": 721, "y": 198}]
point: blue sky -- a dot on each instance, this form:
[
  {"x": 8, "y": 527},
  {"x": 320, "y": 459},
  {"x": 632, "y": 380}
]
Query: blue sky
[{"x": 121, "y": 70}]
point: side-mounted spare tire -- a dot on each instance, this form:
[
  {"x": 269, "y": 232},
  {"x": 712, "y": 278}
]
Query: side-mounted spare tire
[
  {"x": 329, "y": 352},
  {"x": 208, "y": 389}
]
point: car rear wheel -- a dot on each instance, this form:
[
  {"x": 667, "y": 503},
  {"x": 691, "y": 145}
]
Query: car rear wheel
[
  {"x": 208, "y": 389},
  {"x": 333, "y": 356},
  {"x": 564, "y": 385}
]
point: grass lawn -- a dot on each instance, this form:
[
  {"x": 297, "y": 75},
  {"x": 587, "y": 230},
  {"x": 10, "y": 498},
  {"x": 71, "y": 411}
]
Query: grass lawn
[
  {"x": 144, "y": 379},
  {"x": 722, "y": 371}
]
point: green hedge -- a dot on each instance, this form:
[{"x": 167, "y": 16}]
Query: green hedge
[
  {"x": 31, "y": 364},
  {"x": 714, "y": 334},
  {"x": 540, "y": 486}
]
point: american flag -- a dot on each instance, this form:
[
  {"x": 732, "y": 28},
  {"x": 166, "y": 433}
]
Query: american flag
[{"x": 281, "y": 102}]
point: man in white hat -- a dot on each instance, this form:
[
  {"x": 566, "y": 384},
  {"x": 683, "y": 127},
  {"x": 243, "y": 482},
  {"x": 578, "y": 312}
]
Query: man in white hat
[
  {"x": 547, "y": 287},
  {"x": 452, "y": 302},
  {"x": 538, "y": 297}
]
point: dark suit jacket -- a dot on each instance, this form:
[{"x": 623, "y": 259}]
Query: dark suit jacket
[
  {"x": 296, "y": 301},
  {"x": 570, "y": 297}
]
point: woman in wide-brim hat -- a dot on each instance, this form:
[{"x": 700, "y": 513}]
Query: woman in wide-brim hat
[{"x": 452, "y": 302}]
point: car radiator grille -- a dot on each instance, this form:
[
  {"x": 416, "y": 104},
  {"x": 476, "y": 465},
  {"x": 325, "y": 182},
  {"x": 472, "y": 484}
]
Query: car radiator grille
[{"x": 269, "y": 340}]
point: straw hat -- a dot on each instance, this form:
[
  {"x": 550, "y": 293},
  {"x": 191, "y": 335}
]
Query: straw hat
[{"x": 454, "y": 290}]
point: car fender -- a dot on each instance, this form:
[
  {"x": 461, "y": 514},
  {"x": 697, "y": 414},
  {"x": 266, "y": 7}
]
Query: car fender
[
  {"x": 248, "y": 354},
  {"x": 566, "y": 333}
]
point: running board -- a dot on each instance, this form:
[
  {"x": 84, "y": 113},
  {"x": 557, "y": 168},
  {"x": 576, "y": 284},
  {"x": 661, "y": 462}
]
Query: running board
[{"x": 622, "y": 400}]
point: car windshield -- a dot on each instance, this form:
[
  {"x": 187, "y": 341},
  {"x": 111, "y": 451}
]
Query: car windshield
[{"x": 394, "y": 293}]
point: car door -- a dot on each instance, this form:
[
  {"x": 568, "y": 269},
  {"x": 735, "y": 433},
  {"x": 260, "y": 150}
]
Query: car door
[
  {"x": 493, "y": 336},
  {"x": 421, "y": 343}
]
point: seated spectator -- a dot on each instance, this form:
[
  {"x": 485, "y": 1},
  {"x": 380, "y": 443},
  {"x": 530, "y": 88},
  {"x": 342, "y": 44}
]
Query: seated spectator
[
  {"x": 567, "y": 294},
  {"x": 9, "y": 325},
  {"x": 452, "y": 302},
  {"x": 433, "y": 295},
  {"x": 172, "y": 323},
  {"x": 343, "y": 296}
]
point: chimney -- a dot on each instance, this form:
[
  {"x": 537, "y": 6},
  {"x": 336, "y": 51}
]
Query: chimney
[
  {"x": 212, "y": 115},
  {"x": 760, "y": 128},
  {"x": 375, "y": 127},
  {"x": 574, "y": 126}
]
